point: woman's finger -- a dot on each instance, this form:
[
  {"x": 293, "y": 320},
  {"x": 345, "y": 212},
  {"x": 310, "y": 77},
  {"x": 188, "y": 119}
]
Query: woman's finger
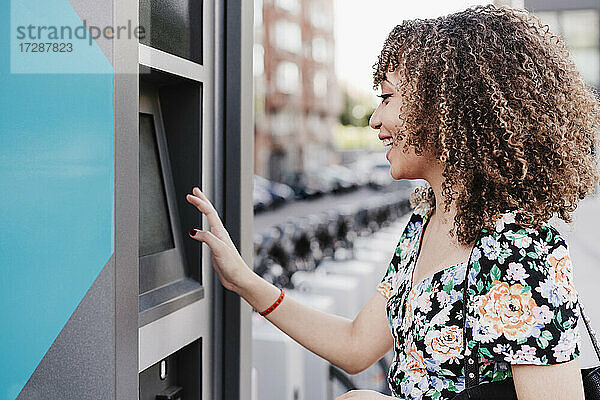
[
  {"x": 205, "y": 206},
  {"x": 209, "y": 238},
  {"x": 199, "y": 193},
  {"x": 207, "y": 209}
]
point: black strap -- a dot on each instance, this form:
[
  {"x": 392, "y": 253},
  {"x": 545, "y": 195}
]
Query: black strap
[{"x": 591, "y": 332}]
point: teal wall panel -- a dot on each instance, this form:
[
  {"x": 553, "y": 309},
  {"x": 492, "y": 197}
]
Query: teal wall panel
[{"x": 56, "y": 198}]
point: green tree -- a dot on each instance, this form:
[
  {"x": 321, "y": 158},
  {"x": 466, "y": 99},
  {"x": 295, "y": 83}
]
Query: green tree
[{"x": 355, "y": 111}]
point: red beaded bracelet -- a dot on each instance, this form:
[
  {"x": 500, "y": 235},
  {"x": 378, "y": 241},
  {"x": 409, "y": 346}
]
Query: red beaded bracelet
[{"x": 274, "y": 306}]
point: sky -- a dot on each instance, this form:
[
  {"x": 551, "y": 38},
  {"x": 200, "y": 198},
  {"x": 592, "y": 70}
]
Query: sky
[{"x": 360, "y": 28}]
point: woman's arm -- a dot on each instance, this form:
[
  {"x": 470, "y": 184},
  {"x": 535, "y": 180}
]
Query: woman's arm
[
  {"x": 351, "y": 345},
  {"x": 550, "y": 382}
]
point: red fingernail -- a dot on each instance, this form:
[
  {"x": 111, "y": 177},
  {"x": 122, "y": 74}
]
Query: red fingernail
[{"x": 193, "y": 232}]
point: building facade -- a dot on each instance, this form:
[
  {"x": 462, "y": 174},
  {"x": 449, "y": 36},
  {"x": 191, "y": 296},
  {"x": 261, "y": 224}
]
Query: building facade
[
  {"x": 296, "y": 96},
  {"x": 577, "y": 23}
]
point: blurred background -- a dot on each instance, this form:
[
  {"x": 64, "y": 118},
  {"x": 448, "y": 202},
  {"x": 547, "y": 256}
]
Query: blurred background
[{"x": 327, "y": 213}]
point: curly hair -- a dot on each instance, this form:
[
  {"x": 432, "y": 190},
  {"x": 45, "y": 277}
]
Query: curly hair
[{"x": 493, "y": 95}]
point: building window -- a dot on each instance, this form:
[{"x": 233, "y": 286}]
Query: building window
[
  {"x": 292, "y": 6},
  {"x": 288, "y": 36},
  {"x": 579, "y": 30},
  {"x": 287, "y": 77},
  {"x": 320, "y": 15},
  {"x": 319, "y": 50},
  {"x": 315, "y": 123},
  {"x": 550, "y": 18},
  {"x": 282, "y": 123},
  {"x": 320, "y": 84}
]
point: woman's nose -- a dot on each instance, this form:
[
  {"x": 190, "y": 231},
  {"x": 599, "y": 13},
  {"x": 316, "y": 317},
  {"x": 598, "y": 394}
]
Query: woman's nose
[{"x": 375, "y": 121}]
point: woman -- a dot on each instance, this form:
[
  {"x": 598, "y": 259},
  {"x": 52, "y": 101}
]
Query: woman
[{"x": 486, "y": 106}]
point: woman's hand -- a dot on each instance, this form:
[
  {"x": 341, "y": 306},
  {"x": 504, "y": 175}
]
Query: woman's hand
[
  {"x": 363, "y": 395},
  {"x": 227, "y": 262}
]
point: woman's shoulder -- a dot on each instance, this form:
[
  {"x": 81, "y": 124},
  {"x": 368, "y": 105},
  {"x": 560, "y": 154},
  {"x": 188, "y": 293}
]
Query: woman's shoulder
[
  {"x": 509, "y": 231},
  {"x": 523, "y": 308},
  {"x": 530, "y": 256}
]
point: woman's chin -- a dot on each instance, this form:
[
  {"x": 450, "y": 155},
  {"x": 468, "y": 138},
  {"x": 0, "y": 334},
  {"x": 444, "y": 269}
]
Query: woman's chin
[
  {"x": 398, "y": 174},
  {"x": 395, "y": 175}
]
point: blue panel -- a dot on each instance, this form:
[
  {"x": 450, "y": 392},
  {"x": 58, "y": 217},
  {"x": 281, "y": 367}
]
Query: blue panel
[
  {"x": 56, "y": 200},
  {"x": 45, "y": 21}
]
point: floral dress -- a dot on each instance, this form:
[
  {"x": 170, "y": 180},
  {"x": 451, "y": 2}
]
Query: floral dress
[{"x": 522, "y": 308}]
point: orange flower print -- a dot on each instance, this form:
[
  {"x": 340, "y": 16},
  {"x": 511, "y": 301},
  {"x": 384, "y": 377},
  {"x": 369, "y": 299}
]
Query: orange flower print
[
  {"x": 446, "y": 344},
  {"x": 414, "y": 361},
  {"x": 385, "y": 289},
  {"x": 407, "y": 320},
  {"x": 507, "y": 310},
  {"x": 563, "y": 269}
]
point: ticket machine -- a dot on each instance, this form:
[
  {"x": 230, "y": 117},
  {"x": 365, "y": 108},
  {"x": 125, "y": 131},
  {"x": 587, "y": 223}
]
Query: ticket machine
[{"x": 103, "y": 293}]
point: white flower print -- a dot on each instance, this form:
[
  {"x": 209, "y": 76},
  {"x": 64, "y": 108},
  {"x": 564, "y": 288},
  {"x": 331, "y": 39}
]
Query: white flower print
[
  {"x": 397, "y": 279},
  {"x": 522, "y": 240},
  {"x": 443, "y": 298},
  {"x": 405, "y": 245},
  {"x": 455, "y": 295},
  {"x": 516, "y": 272},
  {"x": 501, "y": 348},
  {"x": 484, "y": 333},
  {"x": 542, "y": 314},
  {"x": 424, "y": 302},
  {"x": 566, "y": 345},
  {"x": 540, "y": 247},
  {"x": 562, "y": 269},
  {"x": 455, "y": 273},
  {"x": 526, "y": 354},
  {"x": 509, "y": 217},
  {"x": 415, "y": 387},
  {"x": 421, "y": 209},
  {"x": 441, "y": 317},
  {"x": 491, "y": 247},
  {"x": 472, "y": 275},
  {"x": 560, "y": 252},
  {"x": 551, "y": 291},
  {"x": 476, "y": 254},
  {"x": 432, "y": 365},
  {"x": 439, "y": 384},
  {"x": 507, "y": 249},
  {"x": 502, "y": 219}
]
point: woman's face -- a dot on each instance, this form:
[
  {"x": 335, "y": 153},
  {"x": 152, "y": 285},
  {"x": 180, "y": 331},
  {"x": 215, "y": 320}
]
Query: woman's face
[{"x": 386, "y": 119}]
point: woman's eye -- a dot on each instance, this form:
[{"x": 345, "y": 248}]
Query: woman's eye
[{"x": 384, "y": 96}]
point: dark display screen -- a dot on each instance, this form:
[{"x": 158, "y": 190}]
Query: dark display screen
[
  {"x": 174, "y": 26},
  {"x": 155, "y": 225}
]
